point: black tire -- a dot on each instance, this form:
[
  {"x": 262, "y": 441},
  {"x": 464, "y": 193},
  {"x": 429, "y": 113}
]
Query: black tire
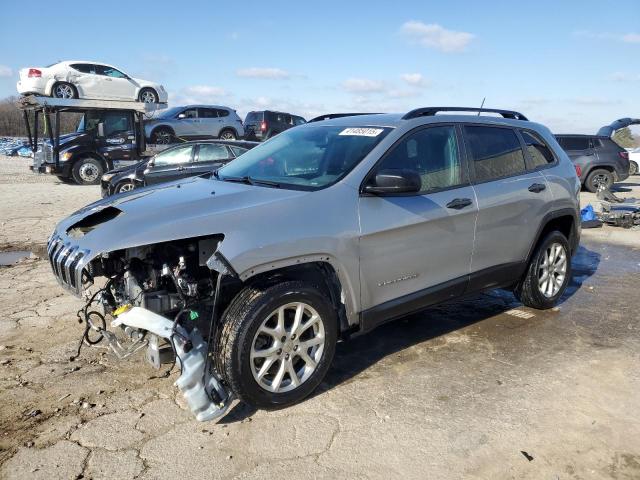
[
  {"x": 65, "y": 179},
  {"x": 125, "y": 186},
  {"x": 57, "y": 91},
  {"x": 87, "y": 171},
  {"x": 228, "y": 134},
  {"x": 162, "y": 136},
  {"x": 597, "y": 177},
  {"x": 633, "y": 168},
  {"x": 146, "y": 94},
  {"x": 241, "y": 321},
  {"x": 528, "y": 291}
]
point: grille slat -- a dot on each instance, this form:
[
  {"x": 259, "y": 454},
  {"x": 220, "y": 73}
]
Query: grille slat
[{"x": 67, "y": 262}]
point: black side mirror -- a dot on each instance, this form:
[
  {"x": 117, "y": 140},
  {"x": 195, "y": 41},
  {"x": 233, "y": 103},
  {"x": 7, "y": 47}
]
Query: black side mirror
[{"x": 394, "y": 180}]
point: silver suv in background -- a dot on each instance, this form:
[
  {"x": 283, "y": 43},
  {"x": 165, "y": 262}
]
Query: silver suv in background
[
  {"x": 325, "y": 231},
  {"x": 194, "y": 122}
]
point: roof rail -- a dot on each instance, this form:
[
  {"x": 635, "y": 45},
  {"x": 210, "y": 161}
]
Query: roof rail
[
  {"x": 430, "y": 111},
  {"x": 330, "y": 116}
]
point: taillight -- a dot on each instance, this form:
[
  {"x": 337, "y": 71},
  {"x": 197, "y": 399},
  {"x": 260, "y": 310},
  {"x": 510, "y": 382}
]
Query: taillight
[
  {"x": 578, "y": 170},
  {"x": 624, "y": 155},
  {"x": 263, "y": 126},
  {"x": 34, "y": 72}
]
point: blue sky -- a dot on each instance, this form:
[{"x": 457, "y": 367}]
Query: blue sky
[{"x": 571, "y": 65}]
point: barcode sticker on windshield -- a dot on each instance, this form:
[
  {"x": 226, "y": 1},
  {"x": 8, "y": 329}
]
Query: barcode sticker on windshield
[{"x": 362, "y": 132}]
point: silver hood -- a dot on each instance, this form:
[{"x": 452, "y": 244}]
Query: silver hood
[{"x": 189, "y": 208}]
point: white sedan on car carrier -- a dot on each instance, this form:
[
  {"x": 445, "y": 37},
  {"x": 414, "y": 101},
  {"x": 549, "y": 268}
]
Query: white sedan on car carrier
[{"x": 90, "y": 80}]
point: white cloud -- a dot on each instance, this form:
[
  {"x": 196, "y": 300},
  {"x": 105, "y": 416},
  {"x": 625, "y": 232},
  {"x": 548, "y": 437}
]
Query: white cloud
[
  {"x": 263, "y": 72},
  {"x": 415, "y": 79},
  {"x": 435, "y": 36},
  {"x": 630, "y": 37},
  {"x": 5, "y": 71},
  {"x": 363, "y": 85},
  {"x": 199, "y": 94}
]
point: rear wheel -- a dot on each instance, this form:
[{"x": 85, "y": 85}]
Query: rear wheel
[
  {"x": 162, "y": 136},
  {"x": 633, "y": 168},
  {"x": 548, "y": 273},
  {"x": 276, "y": 343},
  {"x": 228, "y": 135},
  {"x": 64, "y": 90},
  {"x": 148, "y": 95},
  {"x": 87, "y": 171},
  {"x": 599, "y": 178}
]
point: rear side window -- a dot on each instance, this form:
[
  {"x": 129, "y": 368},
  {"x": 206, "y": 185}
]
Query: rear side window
[
  {"x": 84, "y": 67},
  {"x": 253, "y": 117},
  {"x": 496, "y": 152},
  {"x": 433, "y": 153},
  {"x": 210, "y": 152},
  {"x": 574, "y": 143},
  {"x": 539, "y": 152},
  {"x": 207, "y": 113},
  {"x": 223, "y": 113}
]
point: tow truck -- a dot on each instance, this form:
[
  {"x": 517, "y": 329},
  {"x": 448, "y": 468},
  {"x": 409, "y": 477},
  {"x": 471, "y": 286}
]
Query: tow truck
[{"x": 110, "y": 134}]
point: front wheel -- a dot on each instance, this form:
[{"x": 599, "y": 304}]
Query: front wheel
[
  {"x": 87, "y": 171},
  {"x": 162, "y": 136},
  {"x": 548, "y": 273},
  {"x": 125, "y": 187},
  {"x": 633, "y": 168},
  {"x": 276, "y": 343}
]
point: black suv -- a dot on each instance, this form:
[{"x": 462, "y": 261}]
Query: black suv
[
  {"x": 266, "y": 123},
  {"x": 598, "y": 159}
]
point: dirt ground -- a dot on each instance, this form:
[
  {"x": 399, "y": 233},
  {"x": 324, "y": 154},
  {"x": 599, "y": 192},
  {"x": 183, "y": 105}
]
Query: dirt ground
[{"x": 482, "y": 388}]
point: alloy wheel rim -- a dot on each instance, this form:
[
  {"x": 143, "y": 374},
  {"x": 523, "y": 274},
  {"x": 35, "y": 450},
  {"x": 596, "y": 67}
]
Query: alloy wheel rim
[
  {"x": 64, "y": 91},
  {"x": 287, "y": 347},
  {"x": 163, "y": 138},
  {"x": 88, "y": 173},
  {"x": 601, "y": 180},
  {"x": 148, "y": 97},
  {"x": 125, "y": 187},
  {"x": 552, "y": 270},
  {"x": 228, "y": 136}
]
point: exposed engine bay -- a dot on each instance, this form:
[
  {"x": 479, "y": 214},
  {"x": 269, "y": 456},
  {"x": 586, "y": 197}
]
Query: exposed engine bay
[{"x": 163, "y": 297}]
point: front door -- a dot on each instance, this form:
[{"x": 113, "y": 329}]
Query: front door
[
  {"x": 187, "y": 123},
  {"x": 116, "y": 84},
  {"x": 168, "y": 165},
  {"x": 416, "y": 249},
  {"x": 209, "y": 157},
  {"x": 119, "y": 140}
]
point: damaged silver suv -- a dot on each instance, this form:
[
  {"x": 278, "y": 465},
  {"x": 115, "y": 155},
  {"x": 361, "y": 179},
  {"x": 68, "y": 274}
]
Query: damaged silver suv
[{"x": 249, "y": 276}]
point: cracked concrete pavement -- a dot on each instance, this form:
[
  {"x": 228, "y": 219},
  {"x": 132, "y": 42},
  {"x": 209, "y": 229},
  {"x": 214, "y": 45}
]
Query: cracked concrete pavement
[{"x": 467, "y": 390}]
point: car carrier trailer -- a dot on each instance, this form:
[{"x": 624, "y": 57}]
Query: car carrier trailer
[{"x": 110, "y": 133}]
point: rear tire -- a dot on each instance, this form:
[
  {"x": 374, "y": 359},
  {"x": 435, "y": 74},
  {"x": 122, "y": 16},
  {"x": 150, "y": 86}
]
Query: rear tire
[
  {"x": 87, "y": 171},
  {"x": 243, "y": 348},
  {"x": 64, "y": 90},
  {"x": 228, "y": 135},
  {"x": 148, "y": 95},
  {"x": 548, "y": 273},
  {"x": 162, "y": 136},
  {"x": 598, "y": 177},
  {"x": 633, "y": 168}
]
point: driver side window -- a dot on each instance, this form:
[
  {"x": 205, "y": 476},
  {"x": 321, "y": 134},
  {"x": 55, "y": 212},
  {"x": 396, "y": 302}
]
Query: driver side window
[
  {"x": 109, "y": 72},
  {"x": 173, "y": 156},
  {"x": 432, "y": 153}
]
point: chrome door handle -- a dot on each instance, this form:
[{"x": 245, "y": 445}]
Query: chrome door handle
[{"x": 459, "y": 203}]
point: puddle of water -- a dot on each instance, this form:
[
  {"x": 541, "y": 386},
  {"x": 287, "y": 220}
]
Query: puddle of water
[{"x": 11, "y": 258}]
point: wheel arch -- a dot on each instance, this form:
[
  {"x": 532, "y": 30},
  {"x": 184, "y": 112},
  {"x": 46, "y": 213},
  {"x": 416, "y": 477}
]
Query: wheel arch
[
  {"x": 319, "y": 270},
  {"x": 229, "y": 128},
  {"x": 162, "y": 125},
  {"x": 565, "y": 221}
]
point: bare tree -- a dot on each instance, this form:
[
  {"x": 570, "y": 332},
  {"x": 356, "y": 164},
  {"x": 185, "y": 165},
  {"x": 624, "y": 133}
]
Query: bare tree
[{"x": 12, "y": 121}]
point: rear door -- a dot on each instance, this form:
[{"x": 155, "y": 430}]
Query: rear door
[
  {"x": 86, "y": 79},
  {"x": 168, "y": 165},
  {"x": 417, "y": 248},
  {"x": 512, "y": 200},
  {"x": 208, "y": 122},
  {"x": 209, "y": 157}
]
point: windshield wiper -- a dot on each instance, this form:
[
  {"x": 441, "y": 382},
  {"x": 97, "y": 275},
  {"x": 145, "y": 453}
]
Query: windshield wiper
[{"x": 248, "y": 180}]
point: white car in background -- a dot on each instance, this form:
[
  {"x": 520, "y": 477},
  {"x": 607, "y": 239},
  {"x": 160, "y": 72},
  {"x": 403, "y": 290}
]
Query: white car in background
[
  {"x": 634, "y": 160},
  {"x": 89, "y": 80}
]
